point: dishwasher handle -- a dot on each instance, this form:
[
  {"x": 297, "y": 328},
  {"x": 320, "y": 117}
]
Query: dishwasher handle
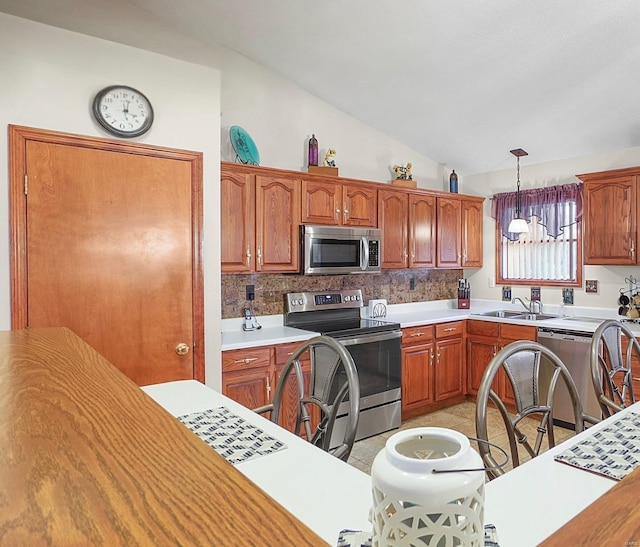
[{"x": 561, "y": 334}]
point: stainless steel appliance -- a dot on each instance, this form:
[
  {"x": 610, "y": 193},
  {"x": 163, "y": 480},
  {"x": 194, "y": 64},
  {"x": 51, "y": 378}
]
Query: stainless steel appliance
[
  {"x": 573, "y": 349},
  {"x": 340, "y": 250},
  {"x": 373, "y": 344}
]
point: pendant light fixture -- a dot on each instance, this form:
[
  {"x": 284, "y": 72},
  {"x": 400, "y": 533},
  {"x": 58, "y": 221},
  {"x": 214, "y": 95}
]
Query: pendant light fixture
[{"x": 518, "y": 225}]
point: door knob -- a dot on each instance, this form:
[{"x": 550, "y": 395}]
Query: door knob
[{"x": 182, "y": 348}]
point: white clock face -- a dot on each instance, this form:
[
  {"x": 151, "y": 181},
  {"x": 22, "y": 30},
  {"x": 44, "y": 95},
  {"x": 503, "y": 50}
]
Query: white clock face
[{"x": 123, "y": 111}]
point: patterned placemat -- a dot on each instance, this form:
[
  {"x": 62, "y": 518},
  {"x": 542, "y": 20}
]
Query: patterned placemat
[
  {"x": 231, "y": 436},
  {"x": 613, "y": 451}
]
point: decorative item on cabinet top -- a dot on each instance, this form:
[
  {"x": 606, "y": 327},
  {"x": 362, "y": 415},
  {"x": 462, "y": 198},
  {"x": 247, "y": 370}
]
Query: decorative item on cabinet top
[
  {"x": 244, "y": 147},
  {"x": 328, "y": 166},
  {"x": 403, "y": 176}
]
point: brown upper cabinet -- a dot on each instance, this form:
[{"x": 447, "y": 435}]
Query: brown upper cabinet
[
  {"x": 611, "y": 200},
  {"x": 260, "y": 216},
  {"x": 459, "y": 232},
  {"x": 330, "y": 202},
  {"x": 408, "y": 224},
  {"x": 262, "y": 208}
]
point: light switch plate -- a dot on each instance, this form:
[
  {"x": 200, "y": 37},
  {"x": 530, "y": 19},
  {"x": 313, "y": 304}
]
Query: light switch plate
[{"x": 535, "y": 293}]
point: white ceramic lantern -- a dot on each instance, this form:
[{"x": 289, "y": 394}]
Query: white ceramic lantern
[{"x": 415, "y": 503}]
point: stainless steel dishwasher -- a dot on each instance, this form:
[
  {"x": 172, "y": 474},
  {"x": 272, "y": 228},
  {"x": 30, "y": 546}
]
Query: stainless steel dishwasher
[{"x": 573, "y": 349}]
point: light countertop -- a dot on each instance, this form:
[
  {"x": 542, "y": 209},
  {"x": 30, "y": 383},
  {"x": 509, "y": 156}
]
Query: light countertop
[{"x": 414, "y": 314}]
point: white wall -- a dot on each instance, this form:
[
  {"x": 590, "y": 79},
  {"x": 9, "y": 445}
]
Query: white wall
[
  {"x": 610, "y": 278},
  {"x": 49, "y": 77},
  {"x": 280, "y": 117}
]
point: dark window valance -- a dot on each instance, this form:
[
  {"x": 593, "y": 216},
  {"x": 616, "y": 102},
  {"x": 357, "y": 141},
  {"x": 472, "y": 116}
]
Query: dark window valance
[{"x": 554, "y": 207}]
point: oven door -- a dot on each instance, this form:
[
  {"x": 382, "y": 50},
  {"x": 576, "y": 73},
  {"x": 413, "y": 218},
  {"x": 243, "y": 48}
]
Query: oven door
[{"x": 378, "y": 361}]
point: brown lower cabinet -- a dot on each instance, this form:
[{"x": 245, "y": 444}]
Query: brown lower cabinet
[
  {"x": 249, "y": 376},
  {"x": 484, "y": 340},
  {"x": 433, "y": 365}
]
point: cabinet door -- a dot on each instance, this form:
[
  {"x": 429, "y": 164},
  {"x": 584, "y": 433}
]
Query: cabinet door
[
  {"x": 449, "y": 237},
  {"x": 277, "y": 224},
  {"x": 480, "y": 350},
  {"x": 610, "y": 210},
  {"x": 359, "y": 207},
  {"x": 321, "y": 202},
  {"x": 417, "y": 375},
  {"x": 288, "y": 414},
  {"x": 246, "y": 376},
  {"x": 393, "y": 221},
  {"x": 449, "y": 368},
  {"x": 237, "y": 222},
  {"x": 472, "y": 237},
  {"x": 422, "y": 231}
]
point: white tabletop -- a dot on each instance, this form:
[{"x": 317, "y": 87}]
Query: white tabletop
[
  {"x": 532, "y": 501},
  {"x": 325, "y": 493},
  {"x": 526, "y": 505}
]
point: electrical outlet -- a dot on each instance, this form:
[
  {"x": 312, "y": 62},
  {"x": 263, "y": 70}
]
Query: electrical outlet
[
  {"x": 412, "y": 284},
  {"x": 251, "y": 292},
  {"x": 567, "y": 296},
  {"x": 506, "y": 294},
  {"x": 535, "y": 293}
]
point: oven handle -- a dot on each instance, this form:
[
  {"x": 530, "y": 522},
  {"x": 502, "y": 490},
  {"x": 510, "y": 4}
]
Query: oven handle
[{"x": 370, "y": 338}]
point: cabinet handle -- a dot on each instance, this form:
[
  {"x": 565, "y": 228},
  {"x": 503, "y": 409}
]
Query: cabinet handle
[
  {"x": 438, "y": 356},
  {"x": 431, "y": 360},
  {"x": 246, "y": 360},
  {"x": 449, "y": 329},
  {"x": 259, "y": 256},
  {"x": 248, "y": 256},
  {"x": 417, "y": 334},
  {"x": 633, "y": 249},
  {"x": 268, "y": 389},
  {"x": 404, "y": 253},
  {"x": 345, "y": 214}
]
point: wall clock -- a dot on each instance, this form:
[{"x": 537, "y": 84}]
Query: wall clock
[{"x": 123, "y": 111}]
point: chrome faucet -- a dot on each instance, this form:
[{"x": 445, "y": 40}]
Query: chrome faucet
[{"x": 535, "y": 306}]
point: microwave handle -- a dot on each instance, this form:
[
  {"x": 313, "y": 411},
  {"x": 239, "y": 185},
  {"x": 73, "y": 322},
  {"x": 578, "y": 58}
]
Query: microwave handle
[{"x": 364, "y": 261}]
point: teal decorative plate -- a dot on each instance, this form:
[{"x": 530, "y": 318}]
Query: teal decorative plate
[{"x": 245, "y": 148}]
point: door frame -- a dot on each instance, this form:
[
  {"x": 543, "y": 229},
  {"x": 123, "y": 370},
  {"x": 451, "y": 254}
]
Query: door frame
[{"x": 18, "y": 186}]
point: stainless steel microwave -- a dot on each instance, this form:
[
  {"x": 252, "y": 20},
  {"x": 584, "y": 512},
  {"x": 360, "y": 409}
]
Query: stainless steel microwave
[{"x": 340, "y": 250}]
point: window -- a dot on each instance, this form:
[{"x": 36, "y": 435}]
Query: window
[{"x": 550, "y": 253}]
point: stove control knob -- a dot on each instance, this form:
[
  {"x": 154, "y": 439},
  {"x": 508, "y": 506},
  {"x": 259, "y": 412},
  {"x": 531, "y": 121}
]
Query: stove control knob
[
  {"x": 357, "y": 297},
  {"x": 300, "y": 302}
]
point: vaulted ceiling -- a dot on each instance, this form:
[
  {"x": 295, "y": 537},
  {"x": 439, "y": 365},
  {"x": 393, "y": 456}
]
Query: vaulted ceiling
[{"x": 460, "y": 81}]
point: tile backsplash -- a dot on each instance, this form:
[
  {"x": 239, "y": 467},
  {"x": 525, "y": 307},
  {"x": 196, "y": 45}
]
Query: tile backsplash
[{"x": 396, "y": 286}]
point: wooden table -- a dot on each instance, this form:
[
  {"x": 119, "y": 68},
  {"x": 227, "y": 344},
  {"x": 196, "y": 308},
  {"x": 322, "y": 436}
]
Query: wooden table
[
  {"x": 87, "y": 458},
  {"x": 610, "y": 520}
]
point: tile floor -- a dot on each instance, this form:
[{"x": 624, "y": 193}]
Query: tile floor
[{"x": 461, "y": 418}]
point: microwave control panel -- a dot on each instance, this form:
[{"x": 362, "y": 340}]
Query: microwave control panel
[{"x": 374, "y": 252}]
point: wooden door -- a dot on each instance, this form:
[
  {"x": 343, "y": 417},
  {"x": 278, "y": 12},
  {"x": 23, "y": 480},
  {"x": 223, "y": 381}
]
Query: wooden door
[
  {"x": 359, "y": 206},
  {"x": 393, "y": 221},
  {"x": 610, "y": 221},
  {"x": 321, "y": 202},
  {"x": 472, "y": 239},
  {"x": 247, "y": 376},
  {"x": 480, "y": 351},
  {"x": 417, "y": 375},
  {"x": 277, "y": 224},
  {"x": 449, "y": 368},
  {"x": 237, "y": 217},
  {"x": 105, "y": 241},
  {"x": 422, "y": 231},
  {"x": 449, "y": 238}
]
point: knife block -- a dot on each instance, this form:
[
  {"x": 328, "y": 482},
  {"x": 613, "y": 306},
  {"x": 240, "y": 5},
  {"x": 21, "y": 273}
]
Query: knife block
[{"x": 464, "y": 303}]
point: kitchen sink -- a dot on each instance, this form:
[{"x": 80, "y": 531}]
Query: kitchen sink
[
  {"x": 500, "y": 313},
  {"x": 515, "y": 314},
  {"x": 535, "y": 316}
]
